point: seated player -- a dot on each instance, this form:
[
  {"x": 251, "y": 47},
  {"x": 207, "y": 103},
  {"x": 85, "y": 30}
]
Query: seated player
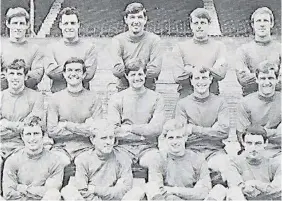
[
  {"x": 17, "y": 47},
  {"x": 18, "y": 103},
  {"x": 139, "y": 114},
  {"x": 263, "y": 108},
  {"x": 199, "y": 51},
  {"x": 32, "y": 173},
  {"x": 101, "y": 174},
  {"x": 254, "y": 176},
  {"x": 262, "y": 48},
  {"x": 207, "y": 119},
  {"x": 71, "y": 112}
]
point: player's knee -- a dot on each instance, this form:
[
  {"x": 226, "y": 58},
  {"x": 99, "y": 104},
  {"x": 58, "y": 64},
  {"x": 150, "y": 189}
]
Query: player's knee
[
  {"x": 71, "y": 193},
  {"x": 218, "y": 192},
  {"x": 52, "y": 194},
  {"x": 136, "y": 193},
  {"x": 234, "y": 193},
  {"x": 150, "y": 159},
  {"x": 65, "y": 159}
]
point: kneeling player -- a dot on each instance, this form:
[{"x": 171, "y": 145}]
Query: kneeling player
[
  {"x": 139, "y": 114},
  {"x": 254, "y": 176},
  {"x": 32, "y": 172},
  {"x": 101, "y": 173}
]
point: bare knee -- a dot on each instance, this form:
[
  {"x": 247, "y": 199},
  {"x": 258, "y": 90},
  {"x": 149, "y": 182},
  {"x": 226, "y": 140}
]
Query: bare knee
[
  {"x": 150, "y": 158},
  {"x": 136, "y": 193},
  {"x": 52, "y": 194},
  {"x": 71, "y": 193},
  {"x": 218, "y": 192}
]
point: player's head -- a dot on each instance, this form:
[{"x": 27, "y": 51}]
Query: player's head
[
  {"x": 135, "y": 73},
  {"x": 32, "y": 134},
  {"x": 254, "y": 140},
  {"x": 199, "y": 22},
  {"x": 175, "y": 137},
  {"x": 16, "y": 74},
  {"x": 135, "y": 17},
  {"x": 104, "y": 136},
  {"x": 266, "y": 78},
  {"x": 69, "y": 23},
  {"x": 17, "y": 20},
  {"x": 201, "y": 80},
  {"x": 262, "y": 20},
  {"x": 74, "y": 71}
]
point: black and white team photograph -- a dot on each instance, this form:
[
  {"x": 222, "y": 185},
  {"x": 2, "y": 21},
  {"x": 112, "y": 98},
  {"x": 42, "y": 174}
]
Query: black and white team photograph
[{"x": 166, "y": 100}]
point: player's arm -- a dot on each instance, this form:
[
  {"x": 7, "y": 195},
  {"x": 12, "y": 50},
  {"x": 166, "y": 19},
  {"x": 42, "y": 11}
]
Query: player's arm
[
  {"x": 219, "y": 68},
  {"x": 155, "y": 64},
  {"x": 274, "y": 133},
  {"x": 52, "y": 69},
  {"x": 35, "y": 75},
  {"x": 90, "y": 62},
  {"x": 85, "y": 129},
  {"x": 181, "y": 71},
  {"x": 243, "y": 120},
  {"x": 116, "y": 55}
]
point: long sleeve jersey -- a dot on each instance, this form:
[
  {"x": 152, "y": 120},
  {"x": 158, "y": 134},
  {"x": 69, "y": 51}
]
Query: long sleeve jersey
[
  {"x": 144, "y": 111},
  {"x": 16, "y": 108},
  {"x": 210, "y": 120},
  {"x": 59, "y": 52},
  {"x": 30, "y": 53},
  {"x": 248, "y": 57},
  {"x": 267, "y": 173},
  {"x": 258, "y": 110},
  {"x": 79, "y": 110},
  {"x": 40, "y": 173},
  {"x": 125, "y": 49},
  {"x": 111, "y": 175},
  {"x": 195, "y": 54}
]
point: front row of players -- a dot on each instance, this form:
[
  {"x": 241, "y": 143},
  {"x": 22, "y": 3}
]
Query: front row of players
[{"x": 137, "y": 114}]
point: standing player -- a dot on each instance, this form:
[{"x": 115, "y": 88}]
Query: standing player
[
  {"x": 136, "y": 44},
  {"x": 263, "y": 108},
  {"x": 254, "y": 176},
  {"x": 69, "y": 46},
  {"x": 71, "y": 112},
  {"x": 207, "y": 121},
  {"x": 139, "y": 114},
  {"x": 101, "y": 173},
  {"x": 32, "y": 173},
  {"x": 199, "y": 52},
  {"x": 17, "y": 47},
  {"x": 262, "y": 48}
]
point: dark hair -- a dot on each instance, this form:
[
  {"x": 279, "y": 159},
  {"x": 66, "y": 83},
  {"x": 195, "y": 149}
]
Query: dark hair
[
  {"x": 75, "y": 60},
  {"x": 33, "y": 121},
  {"x": 201, "y": 70},
  {"x": 255, "y": 130},
  {"x": 135, "y": 66},
  {"x": 69, "y": 11},
  {"x": 134, "y": 8},
  {"x": 172, "y": 125},
  {"x": 18, "y": 64},
  {"x": 200, "y": 13},
  {"x": 265, "y": 67},
  {"x": 17, "y": 12}
]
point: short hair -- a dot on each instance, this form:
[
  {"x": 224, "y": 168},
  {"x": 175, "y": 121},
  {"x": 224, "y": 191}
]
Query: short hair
[
  {"x": 255, "y": 130},
  {"x": 17, "y": 12},
  {"x": 69, "y": 11},
  {"x": 262, "y": 10},
  {"x": 18, "y": 64},
  {"x": 201, "y": 70},
  {"x": 200, "y": 13},
  {"x": 265, "y": 67},
  {"x": 102, "y": 126},
  {"x": 173, "y": 125},
  {"x": 75, "y": 60},
  {"x": 135, "y": 66},
  {"x": 134, "y": 8},
  {"x": 33, "y": 121}
]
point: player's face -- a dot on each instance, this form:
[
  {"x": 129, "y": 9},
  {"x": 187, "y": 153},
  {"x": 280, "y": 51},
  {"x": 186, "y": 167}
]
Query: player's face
[
  {"x": 136, "y": 79},
  {"x": 262, "y": 24},
  {"x": 15, "y": 78},
  {"x": 104, "y": 142},
  {"x": 175, "y": 143},
  {"x": 136, "y": 22},
  {"x": 69, "y": 25},
  {"x": 18, "y": 27},
  {"x": 254, "y": 146},
  {"x": 32, "y": 137},
  {"x": 201, "y": 81},
  {"x": 266, "y": 83},
  {"x": 200, "y": 27},
  {"x": 74, "y": 74}
]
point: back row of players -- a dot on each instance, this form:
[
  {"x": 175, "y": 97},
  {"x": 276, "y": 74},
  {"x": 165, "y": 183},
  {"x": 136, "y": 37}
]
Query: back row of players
[{"x": 136, "y": 116}]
